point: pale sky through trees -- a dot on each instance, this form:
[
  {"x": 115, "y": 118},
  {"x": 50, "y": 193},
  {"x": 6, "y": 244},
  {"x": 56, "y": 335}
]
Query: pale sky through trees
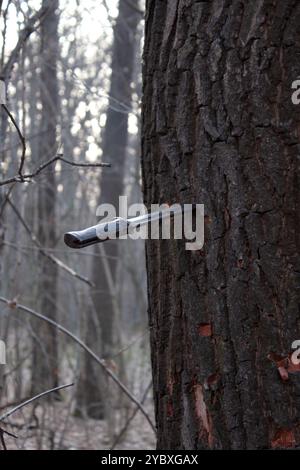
[{"x": 93, "y": 21}]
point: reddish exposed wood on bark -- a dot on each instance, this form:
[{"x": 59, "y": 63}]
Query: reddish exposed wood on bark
[
  {"x": 285, "y": 365},
  {"x": 203, "y": 415},
  {"x": 283, "y": 373},
  {"x": 283, "y": 439},
  {"x": 170, "y": 410},
  {"x": 205, "y": 329},
  {"x": 212, "y": 381}
]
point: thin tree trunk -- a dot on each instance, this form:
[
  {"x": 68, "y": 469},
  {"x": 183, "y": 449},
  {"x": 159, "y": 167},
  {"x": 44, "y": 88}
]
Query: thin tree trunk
[
  {"x": 219, "y": 128},
  {"x": 111, "y": 184},
  {"x": 45, "y": 361},
  {"x": 3, "y": 131}
]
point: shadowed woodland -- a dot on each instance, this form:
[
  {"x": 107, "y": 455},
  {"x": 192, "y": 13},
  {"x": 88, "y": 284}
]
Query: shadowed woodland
[
  {"x": 70, "y": 127},
  {"x": 133, "y": 344}
]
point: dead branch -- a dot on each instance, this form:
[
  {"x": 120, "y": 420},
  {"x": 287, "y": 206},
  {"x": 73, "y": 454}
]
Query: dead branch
[
  {"x": 85, "y": 165},
  {"x": 27, "y": 177},
  {"x": 51, "y": 257},
  {"x": 2, "y": 432},
  {"x": 31, "y": 400},
  {"x": 99, "y": 361},
  {"x": 5, "y": 199},
  {"x": 2, "y": 439},
  {"x": 24, "y": 35},
  {"x": 21, "y": 137},
  {"x": 26, "y": 248}
]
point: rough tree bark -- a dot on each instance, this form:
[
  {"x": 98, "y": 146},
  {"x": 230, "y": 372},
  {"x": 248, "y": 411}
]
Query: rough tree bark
[
  {"x": 219, "y": 128},
  {"x": 45, "y": 361},
  {"x": 114, "y": 148}
]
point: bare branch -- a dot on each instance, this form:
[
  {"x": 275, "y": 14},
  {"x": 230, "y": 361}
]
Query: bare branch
[
  {"x": 5, "y": 199},
  {"x": 51, "y": 257},
  {"x": 99, "y": 361},
  {"x": 27, "y": 402},
  {"x": 2, "y": 439},
  {"x": 2, "y": 432},
  {"x": 13, "y": 179},
  {"x": 21, "y": 137},
  {"x": 24, "y": 35},
  {"x": 42, "y": 167},
  {"x": 29, "y": 176},
  {"x": 86, "y": 165}
]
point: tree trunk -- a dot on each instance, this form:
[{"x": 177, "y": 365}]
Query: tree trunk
[
  {"x": 45, "y": 361},
  {"x": 219, "y": 128},
  {"x": 111, "y": 184},
  {"x": 3, "y": 132}
]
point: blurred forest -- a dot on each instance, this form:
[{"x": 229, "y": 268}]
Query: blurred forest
[{"x": 70, "y": 126}]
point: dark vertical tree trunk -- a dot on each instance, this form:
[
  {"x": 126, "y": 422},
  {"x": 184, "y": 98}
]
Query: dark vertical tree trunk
[
  {"x": 111, "y": 185},
  {"x": 3, "y": 131},
  {"x": 115, "y": 139},
  {"x": 219, "y": 128},
  {"x": 45, "y": 366}
]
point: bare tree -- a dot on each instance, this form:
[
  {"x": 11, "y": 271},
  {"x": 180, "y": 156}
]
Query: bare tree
[
  {"x": 45, "y": 360},
  {"x": 115, "y": 138}
]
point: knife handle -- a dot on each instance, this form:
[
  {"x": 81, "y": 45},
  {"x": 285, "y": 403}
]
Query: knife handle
[{"x": 96, "y": 234}]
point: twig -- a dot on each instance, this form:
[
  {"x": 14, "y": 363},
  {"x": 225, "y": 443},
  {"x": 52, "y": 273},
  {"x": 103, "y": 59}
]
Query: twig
[
  {"x": 51, "y": 257},
  {"x": 86, "y": 349},
  {"x": 5, "y": 199},
  {"x": 16, "y": 367},
  {"x": 2, "y": 432},
  {"x": 25, "y": 248},
  {"x": 27, "y": 402},
  {"x": 21, "y": 137},
  {"x": 13, "y": 179},
  {"x": 2, "y": 439},
  {"x": 29, "y": 176},
  {"x": 12, "y": 403},
  {"x": 42, "y": 167},
  {"x": 85, "y": 165},
  {"x": 9, "y": 434}
]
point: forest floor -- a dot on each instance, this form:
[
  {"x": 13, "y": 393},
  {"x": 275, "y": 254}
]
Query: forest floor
[{"x": 54, "y": 427}]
